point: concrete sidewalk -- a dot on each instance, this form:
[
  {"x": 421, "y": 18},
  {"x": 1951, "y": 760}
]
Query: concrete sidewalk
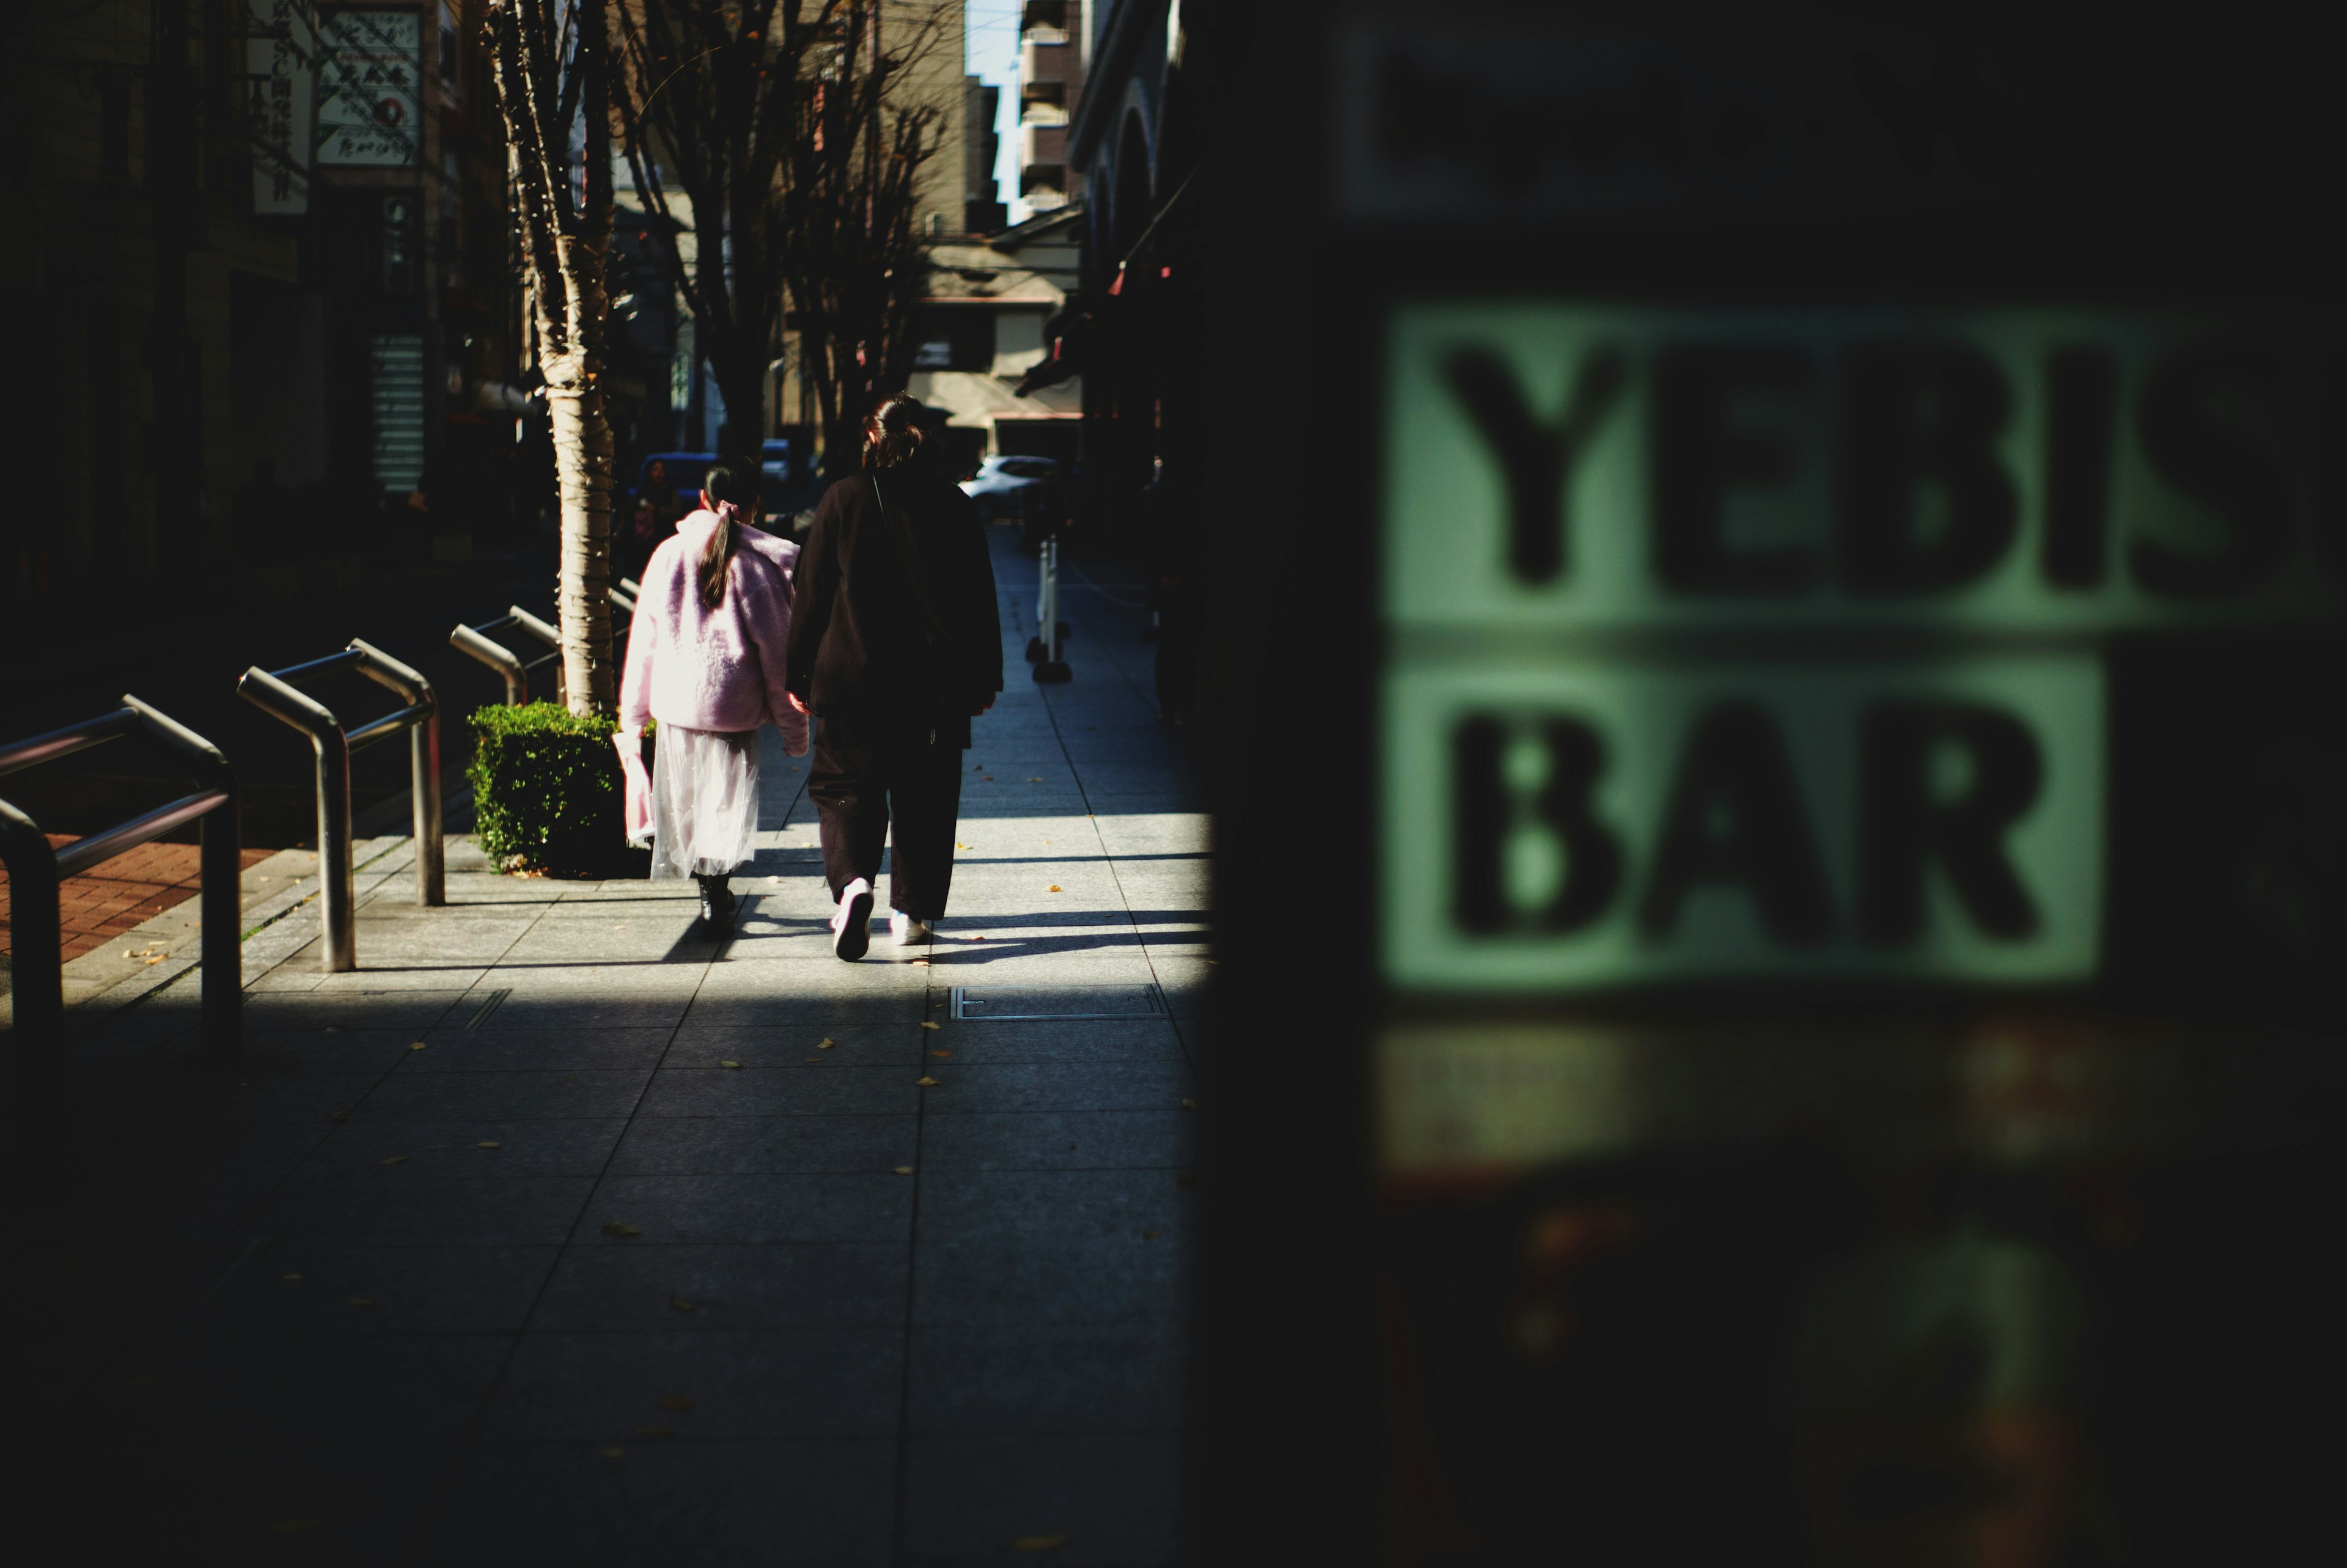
[{"x": 559, "y": 1232}]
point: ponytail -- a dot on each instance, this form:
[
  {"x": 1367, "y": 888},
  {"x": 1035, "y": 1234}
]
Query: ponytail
[{"x": 726, "y": 487}]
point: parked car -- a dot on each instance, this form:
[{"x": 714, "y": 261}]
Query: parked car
[
  {"x": 775, "y": 460},
  {"x": 684, "y": 471},
  {"x": 1015, "y": 486}
]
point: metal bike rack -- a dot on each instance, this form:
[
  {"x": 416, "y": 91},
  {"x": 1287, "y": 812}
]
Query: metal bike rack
[
  {"x": 273, "y": 693},
  {"x": 474, "y": 643},
  {"x": 34, "y": 871}
]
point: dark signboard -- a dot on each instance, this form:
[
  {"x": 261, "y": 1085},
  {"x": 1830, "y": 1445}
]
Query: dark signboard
[{"x": 1780, "y": 860}]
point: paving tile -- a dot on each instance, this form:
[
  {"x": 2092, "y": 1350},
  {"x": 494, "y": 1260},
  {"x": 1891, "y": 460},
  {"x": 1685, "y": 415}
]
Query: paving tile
[
  {"x": 1113, "y": 1495},
  {"x": 818, "y": 1090},
  {"x": 777, "y": 1045},
  {"x": 350, "y": 1051},
  {"x": 312, "y": 1284},
  {"x": 578, "y": 1007},
  {"x": 419, "y": 1386},
  {"x": 502, "y": 1095},
  {"x": 1158, "y": 1084},
  {"x": 1110, "y": 1206},
  {"x": 1021, "y": 1378},
  {"x": 541, "y": 1146},
  {"x": 1058, "y": 1140},
  {"x": 765, "y": 1145},
  {"x": 807, "y": 1005},
  {"x": 364, "y": 1009},
  {"x": 754, "y": 1208},
  {"x": 1046, "y": 1278},
  {"x": 822, "y": 1502},
  {"x": 805, "y": 1381},
  {"x": 460, "y": 1050},
  {"x": 1097, "y": 1041},
  {"x": 395, "y": 1207},
  {"x": 856, "y": 1284}
]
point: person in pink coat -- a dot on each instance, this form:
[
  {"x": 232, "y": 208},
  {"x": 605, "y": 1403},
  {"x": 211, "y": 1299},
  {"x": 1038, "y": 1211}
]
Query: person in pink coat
[{"x": 705, "y": 659}]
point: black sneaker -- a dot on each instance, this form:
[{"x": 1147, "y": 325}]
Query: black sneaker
[{"x": 717, "y": 903}]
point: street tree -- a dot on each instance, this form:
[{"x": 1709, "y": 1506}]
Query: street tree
[
  {"x": 552, "y": 64},
  {"x": 855, "y": 265},
  {"x": 776, "y": 144}
]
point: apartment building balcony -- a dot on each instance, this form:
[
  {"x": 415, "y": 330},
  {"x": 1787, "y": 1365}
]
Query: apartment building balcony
[
  {"x": 1044, "y": 22},
  {"x": 1044, "y": 103},
  {"x": 1042, "y": 144}
]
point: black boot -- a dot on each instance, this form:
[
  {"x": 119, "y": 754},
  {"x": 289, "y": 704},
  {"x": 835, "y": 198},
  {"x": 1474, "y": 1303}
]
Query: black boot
[{"x": 716, "y": 902}]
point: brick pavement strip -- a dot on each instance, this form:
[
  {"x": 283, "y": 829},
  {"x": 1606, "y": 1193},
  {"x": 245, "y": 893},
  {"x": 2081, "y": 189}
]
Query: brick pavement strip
[{"x": 559, "y": 1220}]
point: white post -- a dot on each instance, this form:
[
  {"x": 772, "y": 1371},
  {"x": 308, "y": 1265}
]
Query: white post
[{"x": 1052, "y": 599}]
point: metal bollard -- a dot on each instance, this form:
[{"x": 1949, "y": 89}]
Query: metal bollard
[{"x": 1050, "y": 669}]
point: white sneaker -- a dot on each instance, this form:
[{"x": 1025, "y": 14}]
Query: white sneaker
[
  {"x": 906, "y": 930},
  {"x": 851, "y": 923}
]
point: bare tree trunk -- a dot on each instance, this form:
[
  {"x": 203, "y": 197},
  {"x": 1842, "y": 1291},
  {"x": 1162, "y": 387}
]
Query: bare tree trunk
[{"x": 582, "y": 461}]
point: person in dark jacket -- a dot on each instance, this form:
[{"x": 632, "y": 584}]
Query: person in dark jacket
[{"x": 895, "y": 647}]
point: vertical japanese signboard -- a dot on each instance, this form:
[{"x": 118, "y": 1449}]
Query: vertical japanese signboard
[
  {"x": 371, "y": 94},
  {"x": 281, "y": 99}
]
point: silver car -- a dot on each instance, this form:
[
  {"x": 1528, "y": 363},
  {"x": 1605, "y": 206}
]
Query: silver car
[{"x": 1011, "y": 486}]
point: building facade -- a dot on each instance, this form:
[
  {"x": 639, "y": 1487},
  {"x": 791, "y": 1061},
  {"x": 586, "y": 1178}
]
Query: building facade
[
  {"x": 1054, "y": 41},
  {"x": 269, "y": 247}
]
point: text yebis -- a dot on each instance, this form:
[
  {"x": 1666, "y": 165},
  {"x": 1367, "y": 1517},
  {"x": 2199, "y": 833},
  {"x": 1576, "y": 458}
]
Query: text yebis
[{"x": 1773, "y": 460}]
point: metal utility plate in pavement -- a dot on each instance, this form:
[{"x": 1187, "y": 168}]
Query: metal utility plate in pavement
[{"x": 986, "y": 1004}]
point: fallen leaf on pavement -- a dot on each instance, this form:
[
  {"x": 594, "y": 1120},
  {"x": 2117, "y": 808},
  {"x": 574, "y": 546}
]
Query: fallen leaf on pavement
[
  {"x": 676, "y": 1402},
  {"x": 941, "y": 1055},
  {"x": 655, "y": 1431},
  {"x": 156, "y": 959},
  {"x": 923, "y": 963},
  {"x": 722, "y": 1062},
  {"x": 904, "y": 1170},
  {"x": 1035, "y": 780},
  {"x": 1054, "y": 887},
  {"x": 826, "y": 1043},
  {"x": 397, "y": 1160},
  {"x": 978, "y": 939},
  {"x": 1039, "y": 1544},
  {"x": 926, "y": 1082},
  {"x": 488, "y": 1143},
  {"x": 622, "y": 1227},
  {"x": 931, "y": 1023},
  {"x": 680, "y": 1303},
  {"x": 418, "y": 1045}
]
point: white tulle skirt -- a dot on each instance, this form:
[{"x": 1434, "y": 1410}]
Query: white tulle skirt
[{"x": 704, "y": 801}]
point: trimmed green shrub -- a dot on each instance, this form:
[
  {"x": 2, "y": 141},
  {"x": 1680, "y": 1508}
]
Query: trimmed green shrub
[{"x": 546, "y": 790}]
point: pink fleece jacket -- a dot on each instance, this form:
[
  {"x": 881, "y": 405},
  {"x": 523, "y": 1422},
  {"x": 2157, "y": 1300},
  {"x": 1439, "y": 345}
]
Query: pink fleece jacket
[{"x": 717, "y": 669}]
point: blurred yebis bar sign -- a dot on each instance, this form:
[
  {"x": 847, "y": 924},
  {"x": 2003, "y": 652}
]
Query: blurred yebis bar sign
[
  {"x": 1554, "y": 467},
  {"x": 1780, "y": 646}
]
